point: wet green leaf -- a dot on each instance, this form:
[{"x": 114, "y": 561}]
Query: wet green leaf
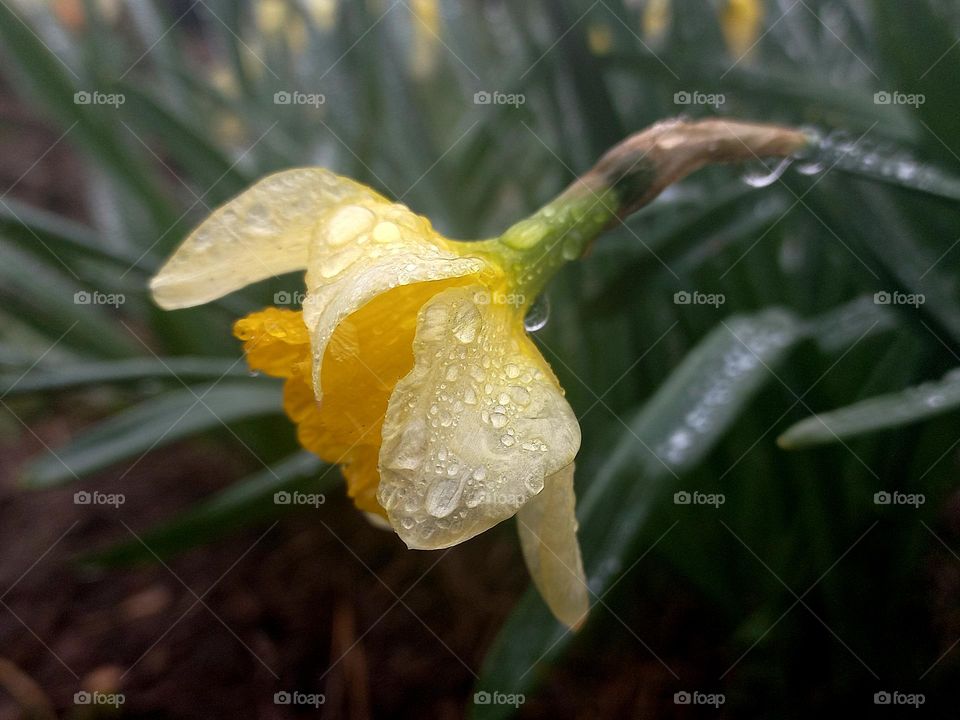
[
  {"x": 152, "y": 424},
  {"x": 874, "y": 414}
]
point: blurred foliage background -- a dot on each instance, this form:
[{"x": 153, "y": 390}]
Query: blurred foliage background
[{"x": 804, "y": 590}]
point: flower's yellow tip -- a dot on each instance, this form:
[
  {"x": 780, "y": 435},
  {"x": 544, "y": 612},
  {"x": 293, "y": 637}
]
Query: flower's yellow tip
[
  {"x": 276, "y": 342},
  {"x": 547, "y": 526}
]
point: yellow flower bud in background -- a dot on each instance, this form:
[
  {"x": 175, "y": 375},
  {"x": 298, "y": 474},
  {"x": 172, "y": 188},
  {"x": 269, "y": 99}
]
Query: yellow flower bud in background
[
  {"x": 426, "y": 26},
  {"x": 656, "y": 19},
  {"x": 741, "y": 21},
  {"x": 323, "y": 13},
  {"x": 599, "y": 38}
]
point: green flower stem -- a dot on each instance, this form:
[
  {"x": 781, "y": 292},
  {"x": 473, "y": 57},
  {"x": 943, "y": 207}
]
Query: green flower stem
[{"x": 626, "y": 178}]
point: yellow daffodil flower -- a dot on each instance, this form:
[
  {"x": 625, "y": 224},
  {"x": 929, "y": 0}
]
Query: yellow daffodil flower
[{"x": 409, "y": 365}]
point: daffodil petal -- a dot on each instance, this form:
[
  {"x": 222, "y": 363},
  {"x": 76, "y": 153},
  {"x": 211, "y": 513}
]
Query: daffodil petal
[
  {"x": 365, "y": 249},
  {"x": 473, "y": 431},
  {"x": 263, "y": 232},
  {"x": 547, "y": 526}
]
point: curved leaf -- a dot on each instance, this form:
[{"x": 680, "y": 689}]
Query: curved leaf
[
  {"x": 877, "y": 413},
  {"x": 152, "y": 424},
  {"x": 244, "y": 503},
  {"x": 186, "y": 369}
]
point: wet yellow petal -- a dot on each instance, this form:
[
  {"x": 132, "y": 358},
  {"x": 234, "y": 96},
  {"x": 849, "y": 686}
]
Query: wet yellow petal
[
  {"x": 274, "y": 340},
  {"x": 365, "y": 251},
  {"x": 547, "y": 526},
  {"x": 368, "y": 353},
  {"x": 363, "y": 478},
  {"x": 263, "y": 232},
  {"x": 474, "y": 429}
]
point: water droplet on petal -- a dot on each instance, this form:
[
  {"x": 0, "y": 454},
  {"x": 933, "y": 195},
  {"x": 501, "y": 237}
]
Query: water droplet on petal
[
  {"x": 443, "y": 497},
  {"x": 386, "y": 232},
  {"x": 466, "y": 323},
  {"x": 520, "y": 395},
  {"x": 347, "y": 223}
]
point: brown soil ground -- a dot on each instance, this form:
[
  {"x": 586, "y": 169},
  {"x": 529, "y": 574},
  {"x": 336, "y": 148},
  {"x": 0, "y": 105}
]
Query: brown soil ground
[{"x": 310, "y": 603}]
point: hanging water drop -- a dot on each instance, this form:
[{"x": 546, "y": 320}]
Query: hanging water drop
[
  {"x": 538, "y": 315},
  {"x": 810, "y": 168},
  {"x": 765, "y": 179}
]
